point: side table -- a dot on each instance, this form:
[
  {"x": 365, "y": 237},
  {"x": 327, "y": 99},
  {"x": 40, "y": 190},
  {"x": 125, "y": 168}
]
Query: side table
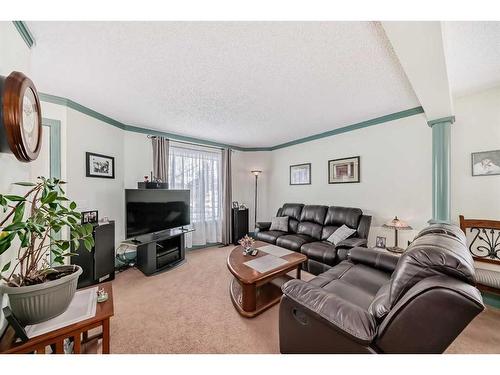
[{"x": 77, "y": 331}]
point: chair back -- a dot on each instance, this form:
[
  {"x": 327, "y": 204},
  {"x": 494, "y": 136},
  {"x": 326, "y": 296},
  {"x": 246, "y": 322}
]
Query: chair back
[{"x": 485, "y": 243}]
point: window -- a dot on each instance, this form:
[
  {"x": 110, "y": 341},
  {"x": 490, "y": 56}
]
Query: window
[{"x": 199, "y": 169}]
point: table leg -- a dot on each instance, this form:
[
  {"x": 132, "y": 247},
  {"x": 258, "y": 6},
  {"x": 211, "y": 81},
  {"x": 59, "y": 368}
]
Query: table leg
[
  {"x": 40, "y": 350},
  {"x": 248, "y": 297},
  {"x": 299, "y": 267},
  {"x": 60, "y": 346},
  {"x": 77, "y": 345},
  {"x": 105, "y": 336}
]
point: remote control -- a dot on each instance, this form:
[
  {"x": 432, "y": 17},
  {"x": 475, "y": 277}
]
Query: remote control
[{"x": 254, "y": 252}]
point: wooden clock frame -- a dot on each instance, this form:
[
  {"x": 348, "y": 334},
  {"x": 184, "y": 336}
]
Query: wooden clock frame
[{"x": 12, "y": 89}]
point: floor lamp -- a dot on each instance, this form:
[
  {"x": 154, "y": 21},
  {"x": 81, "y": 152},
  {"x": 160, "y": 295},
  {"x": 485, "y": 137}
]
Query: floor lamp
[{"x": 256, "y": 174}]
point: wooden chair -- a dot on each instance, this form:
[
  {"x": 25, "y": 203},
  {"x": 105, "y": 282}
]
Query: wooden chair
[{"x": 485, "y": 248}]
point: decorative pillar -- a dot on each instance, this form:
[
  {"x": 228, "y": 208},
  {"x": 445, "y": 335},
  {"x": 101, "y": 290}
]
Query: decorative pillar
[{"x": 441, "y": 159}]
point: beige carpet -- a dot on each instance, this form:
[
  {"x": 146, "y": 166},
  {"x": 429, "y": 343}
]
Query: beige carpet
[{"x": 188, "y": 310}]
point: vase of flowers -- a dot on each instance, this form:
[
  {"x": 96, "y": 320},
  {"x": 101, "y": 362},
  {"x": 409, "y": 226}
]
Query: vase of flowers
[
  {"x": 39, "y": 289},
  {"x": 247, "y": 244}
]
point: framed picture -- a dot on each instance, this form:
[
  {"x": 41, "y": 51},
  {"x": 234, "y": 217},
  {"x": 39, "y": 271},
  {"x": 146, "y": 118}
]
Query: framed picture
[
  {"x": 342, "y": 171},
  {"x": 300, "y": 174},
  {"x": 90, "y": 217},
  {"x": 236, "y": 205},
  {"x": 380, "y": 242},
  {"x": 486, "y": 163},
  {"x": 100, "y": 165}
]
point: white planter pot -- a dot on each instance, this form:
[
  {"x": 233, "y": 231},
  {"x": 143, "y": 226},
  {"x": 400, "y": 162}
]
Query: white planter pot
[{"x": 37, "y": 303}]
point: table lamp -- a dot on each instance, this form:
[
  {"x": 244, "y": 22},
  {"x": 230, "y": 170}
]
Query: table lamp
[{"x": 397, "y": 224}]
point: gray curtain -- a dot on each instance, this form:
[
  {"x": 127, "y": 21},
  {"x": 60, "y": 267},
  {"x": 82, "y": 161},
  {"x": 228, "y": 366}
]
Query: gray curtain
[
  {"x": 226, "y": 196},
  {"x": 160, "y": 158}
]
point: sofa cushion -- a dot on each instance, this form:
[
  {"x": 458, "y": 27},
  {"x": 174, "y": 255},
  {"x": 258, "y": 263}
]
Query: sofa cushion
[
  {"x": 279, "y": 223},
  {"x": 338, "y": 216},
  {"x": 321, "y": 251},
  {"x": 270, "y": 236},
  {"x": 293, "y": 241},
  {"x": 311, "y": 221},
  {"x": 293, "y": 211}
]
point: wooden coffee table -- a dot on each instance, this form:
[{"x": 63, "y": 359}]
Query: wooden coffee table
[{"x": 253, "y": 292}]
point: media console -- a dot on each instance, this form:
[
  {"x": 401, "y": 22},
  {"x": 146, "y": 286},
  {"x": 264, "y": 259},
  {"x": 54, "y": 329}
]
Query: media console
[{"x": 160, "y": 251}]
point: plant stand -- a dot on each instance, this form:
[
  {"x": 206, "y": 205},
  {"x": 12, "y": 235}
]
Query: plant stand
[{"x": 77, "y": 331}]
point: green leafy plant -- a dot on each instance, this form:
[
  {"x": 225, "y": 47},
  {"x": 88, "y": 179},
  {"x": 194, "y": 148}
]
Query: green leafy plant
[{"x": 36, "y": 220}]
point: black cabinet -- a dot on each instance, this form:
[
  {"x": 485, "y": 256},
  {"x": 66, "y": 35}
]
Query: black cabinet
[
  {"x": 239, "y": 224},
  {"x": 98, "y": 264},
  {"x": 160, "y": 251}
]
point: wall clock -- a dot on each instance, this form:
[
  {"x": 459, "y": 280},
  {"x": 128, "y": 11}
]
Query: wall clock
[{"x": 21, "y": 116}]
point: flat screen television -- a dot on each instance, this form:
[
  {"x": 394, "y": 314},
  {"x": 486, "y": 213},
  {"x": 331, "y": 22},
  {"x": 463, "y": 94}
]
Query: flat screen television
[{"x": 155, "y": 210}]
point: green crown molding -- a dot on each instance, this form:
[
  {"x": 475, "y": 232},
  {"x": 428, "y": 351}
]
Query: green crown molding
[
  {"x": 449, "y": 119},
  {"x": 359, "y": 125},
  {"x": 99, "y": 116},
  {"x": 25, "y": 33}
]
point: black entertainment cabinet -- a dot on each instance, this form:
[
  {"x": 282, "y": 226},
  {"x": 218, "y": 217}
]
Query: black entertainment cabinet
[{"x": 160, "y": 251}]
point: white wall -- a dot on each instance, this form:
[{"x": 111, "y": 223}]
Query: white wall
[
  {"x": 243, "y": 183},
  {"x": 395, "y": 172},
  {"x": 138, "y": 156},
  {"x": 477, "y": 128},
  {"x": 87, "y": 134},
  {"x": 14, "y": 56}
]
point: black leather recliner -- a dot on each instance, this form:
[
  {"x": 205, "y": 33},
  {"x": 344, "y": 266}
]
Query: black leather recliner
[
  {"x": 308, "y": 228},
  {"x": 375, "y": 302}
]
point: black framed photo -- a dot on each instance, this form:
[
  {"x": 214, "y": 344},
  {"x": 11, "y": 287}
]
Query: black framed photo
[
  {"x": 485, "y": 163},
  {"x": 100, "y": 165},
  {"x": 343, "y": 171},
  {"x": 380, "y": 242},
  {"x": 236, "y": 205},
  {"x": 300, "y": 174},
  {"x": 90, "y": 217}
]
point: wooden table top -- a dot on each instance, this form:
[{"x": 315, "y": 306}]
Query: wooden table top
[
  {"x": 104, "y": 310},
  {"x": 248, "y": 275}
]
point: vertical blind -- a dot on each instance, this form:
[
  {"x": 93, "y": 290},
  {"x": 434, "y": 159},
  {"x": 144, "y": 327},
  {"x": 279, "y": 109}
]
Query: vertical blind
[{"x": 199, "y": 169}]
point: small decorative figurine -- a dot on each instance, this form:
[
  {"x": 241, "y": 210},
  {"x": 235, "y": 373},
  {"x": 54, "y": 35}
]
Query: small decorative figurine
[
  {"x": 246, "y": 243},
  {"x": 102, "y": 295}
]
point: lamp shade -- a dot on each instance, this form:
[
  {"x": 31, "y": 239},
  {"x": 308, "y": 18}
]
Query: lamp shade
[
  {"x": 397, "y": 224},
  {"x": 256, "y": 172}
]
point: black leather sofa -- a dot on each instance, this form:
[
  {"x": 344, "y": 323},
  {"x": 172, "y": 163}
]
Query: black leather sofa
[
  {"x": 375, "y": 302},
  {"x": 308, "y": 228}
]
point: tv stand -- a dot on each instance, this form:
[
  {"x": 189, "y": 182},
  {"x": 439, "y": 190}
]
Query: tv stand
[{"x": 157, "y": 252}]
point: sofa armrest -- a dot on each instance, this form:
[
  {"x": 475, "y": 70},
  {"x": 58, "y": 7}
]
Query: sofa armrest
[
  {"x": 352, "y": 242},
  {"x": 376, "y": 258},
  {"x": 262, "y": 225},
  {"x": 342, "y": 315}
]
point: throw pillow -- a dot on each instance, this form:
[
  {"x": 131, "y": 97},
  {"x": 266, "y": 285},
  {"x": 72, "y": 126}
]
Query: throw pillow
[
  {"x": 279, "y": 223},
  {"x": 341, "y": 234}
]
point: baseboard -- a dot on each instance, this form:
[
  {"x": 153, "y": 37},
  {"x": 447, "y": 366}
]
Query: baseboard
[{"x": 491, "y": 299}]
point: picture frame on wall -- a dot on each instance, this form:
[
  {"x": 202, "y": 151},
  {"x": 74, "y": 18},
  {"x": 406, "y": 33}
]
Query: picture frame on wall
[
  {"x": 98, "y": 165},
  {"x": 485, "y": 163},
  {"x": 343, "y": 171},
  {"x": 300, "y": 174}
]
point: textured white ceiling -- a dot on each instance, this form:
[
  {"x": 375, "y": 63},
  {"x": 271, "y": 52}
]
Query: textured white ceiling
[
  {"x": 243, "y": 83},
  {"x": 472, "y": 55}
]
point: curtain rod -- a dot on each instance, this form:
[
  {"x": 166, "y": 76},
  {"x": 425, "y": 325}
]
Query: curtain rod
[{"x": 187, "y": 143}]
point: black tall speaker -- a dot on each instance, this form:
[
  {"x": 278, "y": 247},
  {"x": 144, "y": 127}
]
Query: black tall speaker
[
  {"x": 98, "y": 264},
  {"x": 240, "y": 224}
]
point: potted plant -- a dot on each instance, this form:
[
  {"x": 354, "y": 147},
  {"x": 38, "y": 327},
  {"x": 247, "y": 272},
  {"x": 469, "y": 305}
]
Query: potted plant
[{"x": 39, "y": 289}]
